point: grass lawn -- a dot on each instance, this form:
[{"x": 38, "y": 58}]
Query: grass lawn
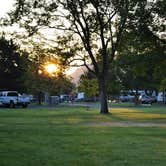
[{"x": 65, "y": 137}]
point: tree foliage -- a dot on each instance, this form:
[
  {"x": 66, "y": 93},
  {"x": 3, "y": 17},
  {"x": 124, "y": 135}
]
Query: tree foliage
[
  {"x": 89, "y": 85},
  {"x": 19, "y": 70},
  {"x": 142, "y": 57},
  {"x": 13, "y": 66},
  {"x": 163, "y": 85},
  {"x": 40, "y": 80}
]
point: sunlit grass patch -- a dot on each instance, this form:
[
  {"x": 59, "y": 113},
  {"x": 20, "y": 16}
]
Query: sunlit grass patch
[
  {"x": 132, "y": 114},
  {"x": 74, "y": 120}
]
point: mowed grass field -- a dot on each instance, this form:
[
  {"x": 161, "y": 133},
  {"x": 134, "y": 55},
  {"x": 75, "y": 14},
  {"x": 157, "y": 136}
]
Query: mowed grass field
[{"x": 66, "y": 136}]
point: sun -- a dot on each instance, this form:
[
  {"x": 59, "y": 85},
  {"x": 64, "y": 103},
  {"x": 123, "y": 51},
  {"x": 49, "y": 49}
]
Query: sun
[{"x": 51, "y": 68}]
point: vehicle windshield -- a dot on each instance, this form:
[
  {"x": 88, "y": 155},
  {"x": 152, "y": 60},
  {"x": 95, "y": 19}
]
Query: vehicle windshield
[{"x": 12, "y": 94}]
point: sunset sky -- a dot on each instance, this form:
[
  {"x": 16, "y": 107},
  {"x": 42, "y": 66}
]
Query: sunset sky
[{"x": 6, "y": 6}]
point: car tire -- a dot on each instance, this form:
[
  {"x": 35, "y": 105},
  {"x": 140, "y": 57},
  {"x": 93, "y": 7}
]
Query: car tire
[{"x": 24, "y": 105}]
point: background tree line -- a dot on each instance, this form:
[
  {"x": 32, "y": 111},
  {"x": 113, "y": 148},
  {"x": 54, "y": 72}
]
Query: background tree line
[{"x": 19, "y": 70}]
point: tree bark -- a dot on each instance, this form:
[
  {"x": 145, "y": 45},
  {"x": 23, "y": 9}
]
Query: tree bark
[
  {"x": 103, "y": 96},
  {"x": 136, "y": 99}
]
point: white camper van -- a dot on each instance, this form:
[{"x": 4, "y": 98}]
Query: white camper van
[
  {"x": 161, "y": 97},
  {"x": 80, "y": 96}
]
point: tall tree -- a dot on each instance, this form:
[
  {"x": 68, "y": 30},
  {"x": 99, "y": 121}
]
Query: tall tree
[
  {"x": 98, "y": 25},
  {"x": 142, "y": 54},
  {"x": 13, "y": 66}
]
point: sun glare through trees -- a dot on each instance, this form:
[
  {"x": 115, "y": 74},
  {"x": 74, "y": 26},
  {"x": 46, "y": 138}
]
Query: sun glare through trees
[{"x": 51, "y": 68}]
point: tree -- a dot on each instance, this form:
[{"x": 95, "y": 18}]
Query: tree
[
  {"x": 163, "y": 85},
  {"x": 98, "y": 24},
  {"x": 163, "y": 89},
  {"x": 13, "y": 66},
  {"x": 89, "y": 85},
  {"x": 40, "y": 80},
  {"x": 141, "y": 58},
  {"x": 114, "y": 80}
]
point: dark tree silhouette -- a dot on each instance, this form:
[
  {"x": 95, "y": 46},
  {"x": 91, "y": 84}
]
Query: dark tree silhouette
[{"x": 13, "y": 66}]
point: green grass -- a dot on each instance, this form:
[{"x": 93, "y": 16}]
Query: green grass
[
  {"x": 61, "y": 136},
  {"x": 147, "y": 114}
]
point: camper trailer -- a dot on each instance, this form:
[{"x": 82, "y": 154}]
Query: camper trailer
[{"x": 161, "y": 98}]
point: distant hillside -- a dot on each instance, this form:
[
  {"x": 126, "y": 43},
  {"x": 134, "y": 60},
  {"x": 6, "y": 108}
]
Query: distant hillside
[{"x": 75, "y": 76}]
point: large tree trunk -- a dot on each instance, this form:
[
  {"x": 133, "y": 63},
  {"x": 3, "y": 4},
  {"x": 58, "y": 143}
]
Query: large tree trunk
[{"x": 103, "y": 96}]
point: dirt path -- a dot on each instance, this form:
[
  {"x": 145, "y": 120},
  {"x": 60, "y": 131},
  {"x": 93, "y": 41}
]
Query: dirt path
[{"x": 126, "y": 124}]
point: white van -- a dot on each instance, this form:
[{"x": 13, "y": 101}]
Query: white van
[
  {"x": 80, "y": 96},
  {"x": 161, "y": 97}
]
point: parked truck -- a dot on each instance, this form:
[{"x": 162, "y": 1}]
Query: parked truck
[{"x": 13, "y": 98}]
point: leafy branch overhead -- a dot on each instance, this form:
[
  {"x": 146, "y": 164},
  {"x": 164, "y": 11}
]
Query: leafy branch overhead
[{"x": 94, "y": 21}]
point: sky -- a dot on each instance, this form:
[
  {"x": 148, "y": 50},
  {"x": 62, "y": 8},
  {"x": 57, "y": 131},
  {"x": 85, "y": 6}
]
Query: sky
[{"x": 5, "y": 6}]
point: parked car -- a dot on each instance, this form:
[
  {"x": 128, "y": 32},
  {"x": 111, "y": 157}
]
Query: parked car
[
  {"x": 64, "y": 98},
  {"x": 13, "y": 98},
  {"x": 126, "y": 98},
  {"x": 144, "y": 99}
]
